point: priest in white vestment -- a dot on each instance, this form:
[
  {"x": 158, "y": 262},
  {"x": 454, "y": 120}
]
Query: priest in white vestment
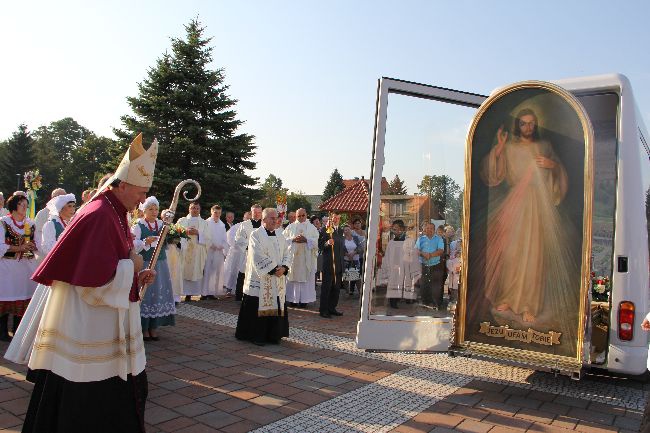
[
  {"x": 212, "y": 284},
  {"x": 400, "y": 266},
  {"x": 194, "y": 252},
  {"x": 302, "y": 239},
  {"x": 262, "y": 315},
  {"x": 233, "y": 258},
  {"x": 241, "y": 242},
  {"x": 88, "y": 359}
]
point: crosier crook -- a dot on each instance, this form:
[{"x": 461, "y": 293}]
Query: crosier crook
[{"x": 168, "y": 218}]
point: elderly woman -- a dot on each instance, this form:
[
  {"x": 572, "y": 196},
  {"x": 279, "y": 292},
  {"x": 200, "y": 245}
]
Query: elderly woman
[
  {"x": 157, "y": 307},
  {"x": 17, "y": 264},
  {"x": 61, "y": 210}
]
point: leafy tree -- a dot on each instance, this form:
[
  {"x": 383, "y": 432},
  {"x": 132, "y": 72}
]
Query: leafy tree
[
  {"x": 270, "y": 188},
  {"x": 334, "y": 185},
  {"x": 396, "y": 186},
  {"x": 297, "y": 200},
  {"x": 441, "y": 189},
  {"x": 18, "y": 157},
  {"x": 454, "y": 214},
  {"x": 185, "y": 105},
  {"x": 89, "y": 161}
]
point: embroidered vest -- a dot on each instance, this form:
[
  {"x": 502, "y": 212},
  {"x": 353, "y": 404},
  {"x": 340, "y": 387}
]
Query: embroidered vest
[
  {"x": 15, "y": 239},
  {"x": 58, "y": 229},
  {"x": 146, "y": 232}
]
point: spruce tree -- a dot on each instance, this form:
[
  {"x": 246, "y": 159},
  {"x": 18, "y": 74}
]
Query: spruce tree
[
  {"x": 396, "y": 186},
  {"x": 17, "y": 159},
  {"x": 334, "y": 185},
  {"x": 185, "y": 105}
]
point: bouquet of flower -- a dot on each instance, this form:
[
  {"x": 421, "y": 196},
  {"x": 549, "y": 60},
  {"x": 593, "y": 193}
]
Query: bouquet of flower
[
  {"x": 33, "y": 180},
  {"x": 176, "y": 233},
  {"x": 600, "y": 287}
]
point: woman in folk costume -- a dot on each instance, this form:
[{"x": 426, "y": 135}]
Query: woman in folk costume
[
  {"x": 88, "y": 358},
  {"x": 17, "y": 263},
  {"x": 3, "y": 210},
  {"x": 61, "y": 210},
  {"x": 262, "y": 315},
  {"x": 400, "y": 266},
  {"x": 157, "y": 307}
]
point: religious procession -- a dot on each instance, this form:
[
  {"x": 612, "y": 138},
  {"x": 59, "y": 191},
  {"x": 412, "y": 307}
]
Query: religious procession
[{"x": 482, "y": 266}]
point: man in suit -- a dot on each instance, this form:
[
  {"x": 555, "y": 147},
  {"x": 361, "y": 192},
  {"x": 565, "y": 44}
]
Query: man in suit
[{"x": 332, "y": 265}]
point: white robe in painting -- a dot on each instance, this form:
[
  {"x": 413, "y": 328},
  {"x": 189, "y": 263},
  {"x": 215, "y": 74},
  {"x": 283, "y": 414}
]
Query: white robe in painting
[
  {"x": 108, "y": 345},
  {"x": 265, "y": 253},
  {"x": 214, "y": 265},
  {"x": 194, "y": 253},
  {"x": 401, "y": 269},
  {"x": 301, "y": 282}
]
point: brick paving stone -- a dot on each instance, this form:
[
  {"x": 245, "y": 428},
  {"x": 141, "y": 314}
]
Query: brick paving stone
[
  {"x": 437, "y": 419},
  {"x": 171, "y": 400},
  {"x": 486, "y": 386},
  {"x": 591, "y": 416},
  {"x": 194, "y": 409},
  {"x": 465, "y": 399},
  {"x": 197, "y": 428},
  {"x": 497, "y": 408},
  {"x": 528, "y": 402},
  {"x": 291, "y": 408},
  {"x": 331, "y": 380},
  {"x": 515, "y": 390},
  {"x": 606, "y": 408},
  {"x": 307, "y": 397},
  {"x": 155, "y": 414},
  {"x": 217, "y": 419},
  {"x": 174, "y": 385},
  {"x": 241, "y": 427},
  {"x": 467, "y": 412},
  {"x": 245, "y": 394},
  {"x": 12, "y": 394},
  {"x": 443, "y": 407},
  {"x": 280, "y": 389},
  {"x": 564, "y": 422},
  {"x": 545, "y": 428},
  {"x": 535, "y": 416},
  {"x": 307, "y": 385},
  {"x": 175, "y": 424},
  {"x": 627, "y": 423},
  {"x": 231, "y": 405},
  {"x": 470, "y": 425},
  {"x": 17, "y": 406},
  {"x": 494, "y": 396},
  {"x": 589, "y": 427},
  {"x": 557, "y": 409},
  {"x": 507, "y": 421},
  {"x": 269, "y": 401},
  {"x": 9, "y": 420},
  {"x": 571, "y": 401},
  {"x": 258, "y": 414},
  {"x": 542, "y": 396},
  {"x": 213, "y": 398}
]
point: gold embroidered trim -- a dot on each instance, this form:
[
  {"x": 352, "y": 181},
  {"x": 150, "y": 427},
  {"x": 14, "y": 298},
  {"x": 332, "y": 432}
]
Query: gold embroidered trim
[{"x": 55, "y": 334}]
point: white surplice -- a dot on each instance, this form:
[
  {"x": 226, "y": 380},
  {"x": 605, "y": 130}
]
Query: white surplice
[
  {"x": 265, "y": 253},
  {"x": 301, "y": 281},
  {"x": 233, "y": 259},
  {"x": 110, "y": 342},
  {"x": 401, "y": 269},
  {"x": 194, "y": 253},
  {"x": 212, "y": 283}
]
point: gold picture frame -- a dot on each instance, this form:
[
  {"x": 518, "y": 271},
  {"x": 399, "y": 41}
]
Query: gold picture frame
[{"x": 527, "y": 219}]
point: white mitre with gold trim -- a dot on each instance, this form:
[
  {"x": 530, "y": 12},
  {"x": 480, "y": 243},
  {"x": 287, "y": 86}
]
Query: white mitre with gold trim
[{"x": 138, "y": 165}]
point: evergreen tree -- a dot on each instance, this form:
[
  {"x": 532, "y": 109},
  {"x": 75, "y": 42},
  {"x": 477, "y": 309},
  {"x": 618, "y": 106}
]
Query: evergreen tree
[
  {"x": 18, "y": 158},
  {"x": 185, "y": 106},
  {"x": 396, "y": 186},
  {"x": 334, "y": 185}
]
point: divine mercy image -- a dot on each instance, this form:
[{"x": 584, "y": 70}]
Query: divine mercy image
[{"x": 526, "y": 214}]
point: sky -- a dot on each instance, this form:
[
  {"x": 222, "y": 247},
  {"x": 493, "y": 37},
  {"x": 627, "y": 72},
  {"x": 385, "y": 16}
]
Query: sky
[{"x": 305, "y": 73}]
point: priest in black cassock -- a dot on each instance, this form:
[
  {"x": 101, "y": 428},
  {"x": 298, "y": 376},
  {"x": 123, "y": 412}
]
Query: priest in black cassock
[{"x": 262, "y": 315}]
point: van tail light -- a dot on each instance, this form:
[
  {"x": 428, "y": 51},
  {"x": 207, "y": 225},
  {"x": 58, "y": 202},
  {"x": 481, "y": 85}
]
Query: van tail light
[{"x": 626, "y": 321}]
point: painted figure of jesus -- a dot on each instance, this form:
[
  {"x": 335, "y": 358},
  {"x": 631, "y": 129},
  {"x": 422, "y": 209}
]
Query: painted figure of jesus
[{"x": 523, "y": 240}]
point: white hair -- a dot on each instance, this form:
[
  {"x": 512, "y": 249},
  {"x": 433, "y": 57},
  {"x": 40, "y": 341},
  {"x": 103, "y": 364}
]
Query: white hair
[{"x": 268, "y": 210}]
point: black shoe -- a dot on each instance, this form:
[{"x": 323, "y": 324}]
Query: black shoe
[
  {"x": 303, "y": 306},
  {"x": 258, "y": 343},
  {"x": 4, "y": 325},
  {"x": 336, "y": 313},
  {"x": 188, "y": 298},
  {"x": 325, "y": 315},
  {"x": 393, "y": 303},
  {"x": 211, "y": 297},
  {"x": 203, "y": 298}
]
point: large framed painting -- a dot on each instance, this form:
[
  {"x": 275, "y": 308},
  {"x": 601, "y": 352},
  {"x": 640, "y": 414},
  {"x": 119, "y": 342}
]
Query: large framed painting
[{"x": 527, "y": 228}]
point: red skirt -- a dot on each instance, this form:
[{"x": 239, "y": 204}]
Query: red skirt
[{"x": 17, "y": 308}]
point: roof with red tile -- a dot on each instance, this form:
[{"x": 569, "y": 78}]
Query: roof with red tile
[{"x": 353, "y": 198}]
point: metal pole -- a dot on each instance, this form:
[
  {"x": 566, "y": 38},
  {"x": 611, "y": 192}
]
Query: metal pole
[{"x": 17, "y": 181}]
